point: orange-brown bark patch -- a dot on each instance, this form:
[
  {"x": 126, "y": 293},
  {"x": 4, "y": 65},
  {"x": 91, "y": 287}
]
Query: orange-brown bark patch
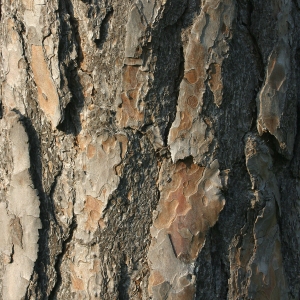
[
  {"x": 182, "y": 211},
  {"x": 192, "y": 101},
  {"x": 76, "y": 282},
  {"x": 83, "y": 141},
  {"x": 185, "y": 124},
  {"x": 129, "y": 77},
  {"x": 191, "y": 76},
  {"x": 196, "y": 58},
  {"x": 127, "y": 111},
  {"x": 109, "y": 144},
  {"x": 47, "y": 93},
  {"x": 93, "y": 210},
  {"x": 155, "y": 278},
  {"x": 215, "y": 82},
  {"x": 91, "y": 151}
]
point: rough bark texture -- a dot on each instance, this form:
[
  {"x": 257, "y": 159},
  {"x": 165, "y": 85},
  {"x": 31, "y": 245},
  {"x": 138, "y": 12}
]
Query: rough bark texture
[{"x": 150, "y": 149}]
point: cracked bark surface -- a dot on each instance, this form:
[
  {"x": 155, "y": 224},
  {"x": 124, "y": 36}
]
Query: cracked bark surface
[{"x": 150, "y": 149}]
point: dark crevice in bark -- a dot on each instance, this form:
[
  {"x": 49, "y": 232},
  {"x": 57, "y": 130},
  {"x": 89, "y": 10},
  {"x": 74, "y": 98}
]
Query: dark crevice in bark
[
  {"x": 261, "y": 70},
  {"x": 279, "y": 160},
  {"x": 167, "y": 47},
  {"x": 188, "y": 161},
  {"x": 297, "y": 4},
  {"x": 245, "y": 10},
  {"x": 143, "y": 128},
  {"x": 205, "y": 288},
  {"x": 213, "y": 274},
  {"x": 173, "y": 12},
  {"x": 295, "y": 163},
  {"x": 212, "y": 283},
  {"x": 180, "y": 74},
  {"x": 289, "y": 226},
  {"x": 172, "y": 245},
  {"x": 178, "y": 80},
  {"x": 253, "y": 127},
  {"x": 124, "y": 282},
  {"x": 287, "y": 174},
  {"x": 71, "y": 123},
  {"x": 59, "y": 259},
  {"x": 12, "y": 258},
  {"x": 256, "y": 49},
  {"x": 124, "y": 235},
  {"x": 220, "y": 273},
  {"x": 46, "y": 208},
  {"x": 104, "y": 28}
]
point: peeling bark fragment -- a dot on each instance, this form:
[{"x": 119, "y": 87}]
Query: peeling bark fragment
[
  {"x": 64, "y": 195},
  {"x": 138, "y": 63},
  {"x": 215, "y": 82},
  {"x": 276, "y": 110},
  {"x": 47, "y": 94},
  {"x": 258, "y": 259},
  {"x": 33, "y": 22},
  {"x": 20, "y": 219},
  {"x": 14, "y": 66},
  {"x": 42, "y": 37},
  {"x": 141, "y": 16},
  {"x": 130, "y": 113},
  {"x": 190, "y": 204},
  {"x": 84, "y": 271},
  {"x": 206, "y": 50},
  {"x": 99, "y": 158},
  {"x": 135, "y": 29}
]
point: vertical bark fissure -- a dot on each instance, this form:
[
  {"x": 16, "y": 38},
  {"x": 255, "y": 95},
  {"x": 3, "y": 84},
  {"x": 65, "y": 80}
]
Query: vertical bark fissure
[
  {"x": 71, "y": 123},
  {"x": 54, "y": 292}
]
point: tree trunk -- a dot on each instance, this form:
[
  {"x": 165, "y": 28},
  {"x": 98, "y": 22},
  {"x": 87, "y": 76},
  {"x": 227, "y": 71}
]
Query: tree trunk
[{"x": 150, "y": 149}]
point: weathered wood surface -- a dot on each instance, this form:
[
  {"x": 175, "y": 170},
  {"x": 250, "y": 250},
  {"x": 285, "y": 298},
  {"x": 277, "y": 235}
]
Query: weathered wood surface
[{"x": 150, "y": 149}]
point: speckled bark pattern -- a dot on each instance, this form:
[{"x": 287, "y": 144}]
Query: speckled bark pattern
[{"x": 149, "y": 149}]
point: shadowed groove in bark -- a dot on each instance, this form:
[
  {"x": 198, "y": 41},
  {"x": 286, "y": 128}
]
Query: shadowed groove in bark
[
  {"x": 124, "y": 282},
  {"x": 71, "y": 123},
  {"x": 213, "y": 274},
  {"x": 46, "y": 207},
  {"x": 59, "y": 258},
  {"x": 104, "y": 28},
  {"x": 177, "y": 85},
  {"x": 296, "y": 159},
  {"x": 123, "y": 231},
  {"x": 259, "y": 58},
  {"x": 289, "y": 222}
]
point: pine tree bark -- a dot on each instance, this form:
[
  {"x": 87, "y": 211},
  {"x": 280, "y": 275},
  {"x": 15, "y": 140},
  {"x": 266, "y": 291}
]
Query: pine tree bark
[{"x": 150, "y": 149}]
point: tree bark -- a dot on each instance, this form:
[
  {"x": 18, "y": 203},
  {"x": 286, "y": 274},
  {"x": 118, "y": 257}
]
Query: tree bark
[{"x": 150, "y": 149}]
